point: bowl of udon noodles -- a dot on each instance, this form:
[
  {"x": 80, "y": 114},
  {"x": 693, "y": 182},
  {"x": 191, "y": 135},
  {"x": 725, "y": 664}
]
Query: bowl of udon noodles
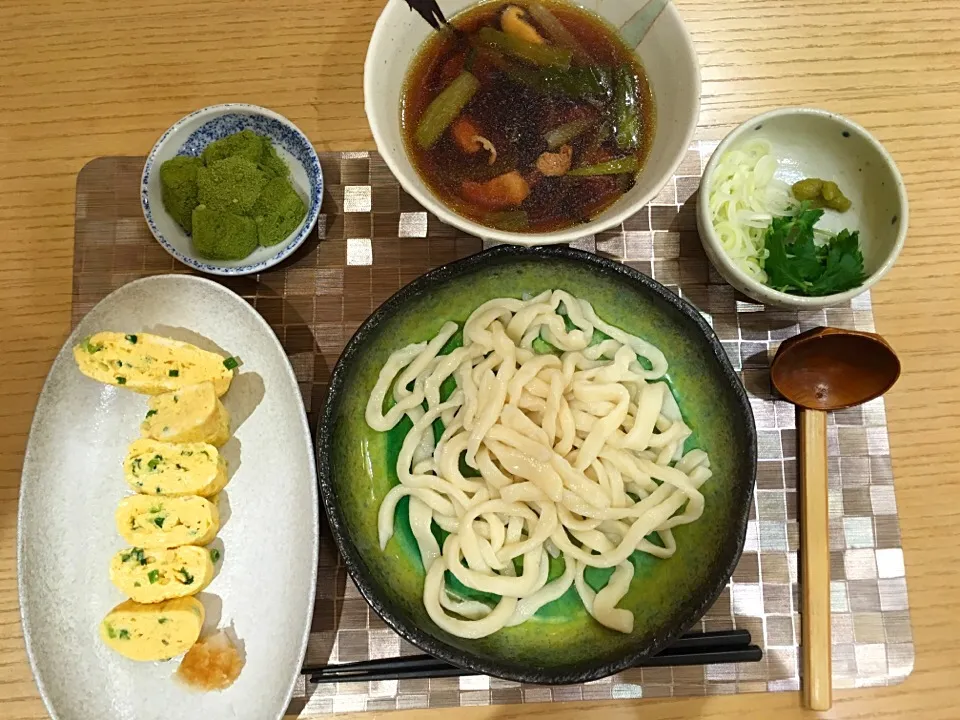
[
  {"x": 533, "y": 121},
  {"x": 537, "y": 464}
]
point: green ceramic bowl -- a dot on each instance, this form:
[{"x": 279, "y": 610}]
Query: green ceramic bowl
[{"x": 562, "y": 643}]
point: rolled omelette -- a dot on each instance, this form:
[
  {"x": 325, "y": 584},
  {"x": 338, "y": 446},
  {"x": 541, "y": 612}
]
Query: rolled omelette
[
  {"x": 158, "y": 468},
  {"x": 153, "y": 632},
  {"x": 148, "y": 521},
  {"x": 151, "y": 364},
  {"x": 191, "y": 414},
  {"x": 152, "y": 576}
]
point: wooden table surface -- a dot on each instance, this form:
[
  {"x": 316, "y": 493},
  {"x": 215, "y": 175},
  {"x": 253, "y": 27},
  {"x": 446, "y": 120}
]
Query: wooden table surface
[{"x": 85, "y": 78}]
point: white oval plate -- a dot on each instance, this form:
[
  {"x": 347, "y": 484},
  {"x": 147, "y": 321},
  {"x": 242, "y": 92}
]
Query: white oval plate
[{"x": 73, "y": 480}]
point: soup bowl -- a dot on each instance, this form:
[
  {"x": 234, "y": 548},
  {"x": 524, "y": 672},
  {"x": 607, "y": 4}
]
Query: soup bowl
[
  {"x": 663, "y": 46},
  {"x": 561, "y": 643}
]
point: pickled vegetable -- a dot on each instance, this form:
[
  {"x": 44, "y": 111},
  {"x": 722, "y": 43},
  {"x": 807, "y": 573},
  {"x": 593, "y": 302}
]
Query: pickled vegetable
[{"x": 821, "y": 193}]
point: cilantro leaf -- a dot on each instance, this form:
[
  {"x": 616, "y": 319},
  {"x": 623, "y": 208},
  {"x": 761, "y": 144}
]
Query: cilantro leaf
[
  {"x": 844, "y": 265},
  {"x": 797, "y": 265}
]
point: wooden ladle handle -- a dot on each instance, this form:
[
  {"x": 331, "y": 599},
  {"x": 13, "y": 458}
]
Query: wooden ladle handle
[{"x": 815, "y": 561}]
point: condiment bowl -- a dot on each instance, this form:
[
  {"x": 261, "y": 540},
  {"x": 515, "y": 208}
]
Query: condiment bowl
[
  {"x": 663, "y": 46},
  {"x": 811, "y": 143},
  {"x": 189, "y": 136}
]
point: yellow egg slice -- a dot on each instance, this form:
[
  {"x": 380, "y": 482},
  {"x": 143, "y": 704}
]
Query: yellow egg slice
[
  {"x": 158, "y": 468},
  {"x": 191, "y": 414},
  {"x": 150, "y": 364},
  {"x": 152, "y": 576},
  {"x": 164, "y": 522},
  {"x": 153, "y": 632}
]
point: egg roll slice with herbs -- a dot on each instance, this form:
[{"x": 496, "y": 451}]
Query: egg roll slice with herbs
[
  {"x": 192, "y": 414},
  {"x": 164, "y": 522},
  {"x": 151, "y": 364},
  {"x": 152, "y": 576},
  {"x": 169, "y": 469},
  {"x": 148, "y": 633}
]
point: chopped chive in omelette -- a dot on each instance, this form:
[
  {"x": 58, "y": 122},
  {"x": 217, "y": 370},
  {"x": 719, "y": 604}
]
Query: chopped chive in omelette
[
  {"x": 90, "y": 347},
  {"x": 214, "y": 555},
  {"x": 153, "y": 576},
  {"x": 123, "y": 635},
  {"x": 121, "y": 380},
  {"x": 187, "y": 577},
  {"x": 151, "y": 413},
  {"x": 137, "y": 555},
  {"x": 174, "y": 373},
  {"x": 157, "y": 459},
  {"x": 158, "y": 521},
  {"x": 163, "y": 620},
  {"x": 111, "y": 633},
  {"x": 231, "y": 363},
  {"x": 131, "y": 339}
]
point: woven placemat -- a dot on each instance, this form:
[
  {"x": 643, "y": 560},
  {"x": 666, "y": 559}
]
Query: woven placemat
[{"x": 372, "y": 238}]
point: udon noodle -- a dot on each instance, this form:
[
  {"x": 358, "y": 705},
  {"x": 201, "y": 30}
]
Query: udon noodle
[{"x": 578, "y": 453}]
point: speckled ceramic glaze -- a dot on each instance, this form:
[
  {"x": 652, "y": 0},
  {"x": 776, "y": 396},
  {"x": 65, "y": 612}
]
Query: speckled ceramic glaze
[
  {"x": 561, "y": 644},
  {"x": 808, "y": 142},
  {"x": 654, "y": 28},
  {"x": 189, "y": 136},
  {"x": 73, "y": 480}
]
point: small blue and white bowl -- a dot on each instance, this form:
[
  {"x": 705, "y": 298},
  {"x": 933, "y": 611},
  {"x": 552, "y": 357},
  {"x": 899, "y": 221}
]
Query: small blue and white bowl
[{"x": 189, "y": 136}]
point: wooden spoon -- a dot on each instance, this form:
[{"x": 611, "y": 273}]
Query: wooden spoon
[{"x": 821, "y": 370}]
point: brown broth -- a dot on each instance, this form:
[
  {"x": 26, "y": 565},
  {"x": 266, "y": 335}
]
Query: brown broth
[{"x": 514, "y": 116}]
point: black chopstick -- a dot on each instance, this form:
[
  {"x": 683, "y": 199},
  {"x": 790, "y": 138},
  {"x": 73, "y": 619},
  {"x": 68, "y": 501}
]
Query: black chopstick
[
  {"x": 438, "y": 668},
  {"x": 429, "y": 11},
  {"x": 726, "y": 646},
  {"x": 709, "y": 640}
]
